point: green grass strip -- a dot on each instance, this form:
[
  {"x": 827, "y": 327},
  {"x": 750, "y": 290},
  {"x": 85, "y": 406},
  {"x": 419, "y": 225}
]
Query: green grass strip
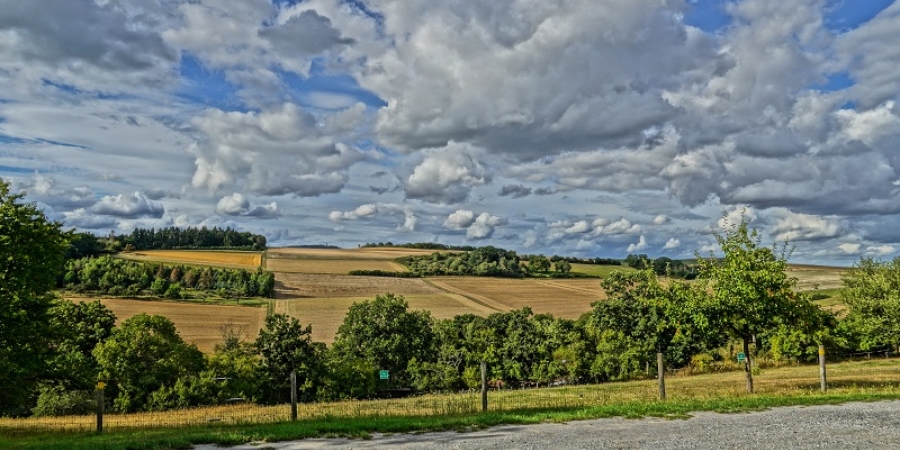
[{"x": 186, "y": 437}]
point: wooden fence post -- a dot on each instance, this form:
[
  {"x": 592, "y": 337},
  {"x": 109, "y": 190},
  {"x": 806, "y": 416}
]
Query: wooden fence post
[
  {"x": 101, "y": 386},
  {"x": 661, "y": 372},
  {"x": 484, "y": 400},
  {"x": 294, "y": 395}
]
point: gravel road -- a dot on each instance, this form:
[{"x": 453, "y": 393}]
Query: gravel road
[{"x": 848, "y": 426}]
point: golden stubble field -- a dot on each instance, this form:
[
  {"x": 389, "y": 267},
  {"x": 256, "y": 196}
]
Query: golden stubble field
[
  {"x": 214, "y": 258},
  {"x": 312, "y": 285},
  {"x": 196, "y": 323}
]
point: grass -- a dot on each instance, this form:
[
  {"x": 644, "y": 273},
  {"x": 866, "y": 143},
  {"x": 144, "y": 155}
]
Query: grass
[
  {"x": 869, "y": 380},
  {"x": 184, "y": 438}
]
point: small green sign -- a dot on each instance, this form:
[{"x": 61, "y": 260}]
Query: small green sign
[
  {"x": 741, "y": 357},
  {"x": 384, "y": 374}
]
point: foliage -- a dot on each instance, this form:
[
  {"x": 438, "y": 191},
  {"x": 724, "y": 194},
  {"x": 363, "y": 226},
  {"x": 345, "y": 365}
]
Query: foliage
[
  {"x": 77, "y": 329},
  {"x": 284, "y": 346},
  {"x": 483, "y": 261},
  {"x": 639, "y": 262},
  {"x": 31, "y": 253},
  {"x": 192, "y": 239},
  {"x": 116, "y": 276},
  {"x": 58, "y": 401},
  {"x": 384, "y": 273},
  {"x": 872, "y": 292},
  {"x": 639, "y": 318},
  {"x": 420, "y": 245},
  {"x": 385, "y": 334},
  {"x": 749, "y": 292},
  {"x": 144, "y": 355}
]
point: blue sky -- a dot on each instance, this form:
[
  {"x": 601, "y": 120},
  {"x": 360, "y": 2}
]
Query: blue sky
[{"x": 579, "y": 128}]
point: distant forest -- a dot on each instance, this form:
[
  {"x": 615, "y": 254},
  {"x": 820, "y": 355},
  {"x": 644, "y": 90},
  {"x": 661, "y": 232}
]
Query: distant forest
[{"x": 192, "y": 239}]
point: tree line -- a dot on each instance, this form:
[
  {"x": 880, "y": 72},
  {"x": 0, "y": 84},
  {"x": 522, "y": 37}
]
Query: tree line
[
  {"x": 191, "y": 238},
  {"x": 50, "y": 349},
  {"x": 115, "y": 276}
]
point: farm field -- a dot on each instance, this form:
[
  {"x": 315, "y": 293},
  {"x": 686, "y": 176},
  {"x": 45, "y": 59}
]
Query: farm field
[
  {"x": 215, "y": 258},
  {"x": 198, "y": 324},
  {"x": 816, "y": 277},
  {"x": 312, "y": 285}
]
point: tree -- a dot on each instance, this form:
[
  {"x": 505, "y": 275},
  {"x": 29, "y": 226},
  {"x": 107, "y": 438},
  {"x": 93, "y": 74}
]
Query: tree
[
  {"x": 748, "y": 291},
  {"x": 384, "y": 333},
  {"x": 31, "y": 255},
  {"x": 285, "y": 345},
  {"x": 539, "y": 263},
  {"x": 143, "y": 355},
  {"x": 641, "y": 317},
  {"x": 563, "y": 266},
  {"x": 639, "y": 262},
  {"x": 872, "y": 292},
  {"x": 77, "y": 329}
]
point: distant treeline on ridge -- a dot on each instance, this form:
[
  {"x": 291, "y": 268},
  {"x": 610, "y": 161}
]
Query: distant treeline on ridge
[{"x": 191, "y": 239}]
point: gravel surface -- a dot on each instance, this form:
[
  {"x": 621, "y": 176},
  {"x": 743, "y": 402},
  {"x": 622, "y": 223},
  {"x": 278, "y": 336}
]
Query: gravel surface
[{"x": 848, "y": 426}]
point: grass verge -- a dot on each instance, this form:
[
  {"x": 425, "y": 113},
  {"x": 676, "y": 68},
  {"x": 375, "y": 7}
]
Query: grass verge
[{"x": 186, "y": 437}]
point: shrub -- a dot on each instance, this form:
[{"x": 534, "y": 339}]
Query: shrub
[{"x": 56, "y": 401}]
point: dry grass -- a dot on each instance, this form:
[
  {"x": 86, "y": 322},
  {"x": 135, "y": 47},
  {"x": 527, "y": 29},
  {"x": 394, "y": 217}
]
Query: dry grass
[
  {"x": 197, "y": 324},
  {"x": 327, "y": 314},
  {"x": 817, "y": 277},
  {"x": 367, "y": 253},
  {"x": 215, "y": 258},
  {"x": 330, "y": 266},
  {"x": 568, "y": 298},
  {"x": 875, "y": 376}
]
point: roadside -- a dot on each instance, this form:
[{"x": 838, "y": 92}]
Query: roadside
[{"x": 873, "y": 425}]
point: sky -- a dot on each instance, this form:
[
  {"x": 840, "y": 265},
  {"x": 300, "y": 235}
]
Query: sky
[{"x": 575, "y": 127}]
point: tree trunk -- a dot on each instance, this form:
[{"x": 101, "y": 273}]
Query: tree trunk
[{"x": 747, "y": 366}]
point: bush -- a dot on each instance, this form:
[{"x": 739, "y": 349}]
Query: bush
[{"x": 56, "y": 401}]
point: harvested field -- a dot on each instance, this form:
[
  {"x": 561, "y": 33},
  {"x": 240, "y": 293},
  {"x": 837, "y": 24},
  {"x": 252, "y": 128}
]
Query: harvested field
[
  {"x": 326, "y": 314},
  {"x": 215, "y": 258},
  {"x": 568, "y": 298},
  {"x": 197, "y": 324},
  {"x": 329, "y": 266},
  {"x": 378, "y": 253},
  {"x": 307, "y": 285},
  {"x": 812, "y": 277}
]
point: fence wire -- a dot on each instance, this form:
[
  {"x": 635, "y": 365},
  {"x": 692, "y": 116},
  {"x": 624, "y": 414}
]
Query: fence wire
[{"x": 874, "y": 375}]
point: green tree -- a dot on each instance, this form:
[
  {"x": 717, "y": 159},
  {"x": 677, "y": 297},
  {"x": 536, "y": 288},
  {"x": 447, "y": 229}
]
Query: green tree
[
  {"x": 641, "y": 317},
  {"x": 563, "y": 266},
  {"x": 539, "y": 263},
  {"x": 872, "y": 292},
  {"x": 748, "y": 291},
  {"x": 31, "y": 255},
  {"x": 77, "y": 329},
  {"x": 143, "y": 355},
  {"x": 285, "y": 345},
  {"x": 384, "y": 333}
]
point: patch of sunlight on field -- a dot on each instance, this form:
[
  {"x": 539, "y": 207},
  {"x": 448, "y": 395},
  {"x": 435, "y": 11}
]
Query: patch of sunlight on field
[
  {"x": 197, "y": 324},
  {"x": 215, "y": 258}
]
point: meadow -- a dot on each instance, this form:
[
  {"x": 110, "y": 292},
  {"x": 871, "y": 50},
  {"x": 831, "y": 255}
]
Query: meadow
[
  {"x": 313, "y": 285},
  {"x": 875, "y": 378}
]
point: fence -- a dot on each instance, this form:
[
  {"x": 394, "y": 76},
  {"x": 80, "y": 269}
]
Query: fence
[{"x": 875, "y": 375}]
